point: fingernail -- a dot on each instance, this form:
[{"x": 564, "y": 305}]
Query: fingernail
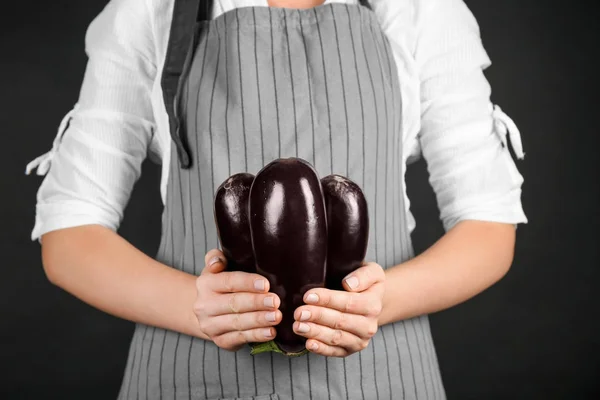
[
  {"x": 312, "y": 298},
  {"x": 352, "y": 282},
  {"x": 259, "y": 284},
  {"x": 269, "y": 302},
  {"x": 213, "y": 261},
  {"x": 267, "y": 332},
  {"x": 304, "y": 315},
  {"x": 303, "y": 328},
  {"x": 270, "y": 317},
  {"x": 314, "y": 346}
]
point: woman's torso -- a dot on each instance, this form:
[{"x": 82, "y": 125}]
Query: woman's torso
[
  {"x": 401, "y": 35},
  {"x": 323, "y": 86}
]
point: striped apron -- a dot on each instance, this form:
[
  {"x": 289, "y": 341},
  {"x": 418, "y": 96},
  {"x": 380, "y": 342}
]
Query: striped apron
[{"x": 262, "y": 83}]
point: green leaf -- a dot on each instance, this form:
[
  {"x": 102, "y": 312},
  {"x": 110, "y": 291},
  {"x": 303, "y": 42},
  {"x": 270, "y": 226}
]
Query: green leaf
[{"x": 265, "y": 347}]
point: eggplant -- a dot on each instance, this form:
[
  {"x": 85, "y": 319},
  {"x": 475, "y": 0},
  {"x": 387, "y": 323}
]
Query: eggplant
[
  {"x": 347, "y": 226},
  {"x": 231, "y": 218},
  {"x": 288, "y": 226}
]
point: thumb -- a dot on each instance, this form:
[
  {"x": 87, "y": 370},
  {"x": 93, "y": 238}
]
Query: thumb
[
  {"x": 214, "y": 262},
  {"x": 364, "y": 277}
]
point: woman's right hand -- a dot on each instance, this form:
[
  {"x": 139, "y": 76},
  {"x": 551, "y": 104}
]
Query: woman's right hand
[{"x": 234, "y": 308}]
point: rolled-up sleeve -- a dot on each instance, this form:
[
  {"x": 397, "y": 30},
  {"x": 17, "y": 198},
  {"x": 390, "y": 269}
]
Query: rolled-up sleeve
[
  {"x": 462, "y": 134},
  {"x": 97, "y": 155}
]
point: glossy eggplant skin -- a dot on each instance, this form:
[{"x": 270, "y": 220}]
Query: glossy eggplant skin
[
  {"x": 348, "y": 228},
  {"x": 231, "y": 218},
  {"x": 288, "y": 226}
]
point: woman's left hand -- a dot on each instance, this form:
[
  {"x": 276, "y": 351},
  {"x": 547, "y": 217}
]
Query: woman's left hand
[{"x": 340, "y": 323}]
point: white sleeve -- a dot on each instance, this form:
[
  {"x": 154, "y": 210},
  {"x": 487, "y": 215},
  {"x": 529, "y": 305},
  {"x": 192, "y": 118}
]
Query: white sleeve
[
  {"x": 97, "y": 155},
  {"x": 463, "y": 136}
]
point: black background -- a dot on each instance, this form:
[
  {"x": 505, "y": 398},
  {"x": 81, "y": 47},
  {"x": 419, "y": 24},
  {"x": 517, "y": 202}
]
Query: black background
[{"x": 532, "y": 336}]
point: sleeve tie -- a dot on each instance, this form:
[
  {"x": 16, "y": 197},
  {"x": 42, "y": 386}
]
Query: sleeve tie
[
  {"x": 505, "y": 127},
  {"x": 42, "y": 163}
]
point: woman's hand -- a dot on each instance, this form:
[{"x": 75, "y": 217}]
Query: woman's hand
[
  {"x": 234, "y": 308},
  {"x": 338, "y": 323}
]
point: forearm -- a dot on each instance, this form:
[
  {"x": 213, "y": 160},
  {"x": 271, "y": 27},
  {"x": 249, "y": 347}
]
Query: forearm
[
  {"x": 464, "y": 262},
  {"x": 99, "y": 267}
]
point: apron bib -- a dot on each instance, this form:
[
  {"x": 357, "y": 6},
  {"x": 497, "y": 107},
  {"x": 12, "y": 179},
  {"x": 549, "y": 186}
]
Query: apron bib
[{"x": 254, "y": 85}]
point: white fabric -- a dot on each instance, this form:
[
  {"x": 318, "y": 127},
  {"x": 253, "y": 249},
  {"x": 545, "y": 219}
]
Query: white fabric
[{"x": 120, "y": 115}]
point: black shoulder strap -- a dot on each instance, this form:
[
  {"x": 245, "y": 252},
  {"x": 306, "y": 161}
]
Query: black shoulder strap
[
  {"x": 185, "y": 15},
  {"x": 365, "y": 3},
  {"x": 204, "y": 10}
]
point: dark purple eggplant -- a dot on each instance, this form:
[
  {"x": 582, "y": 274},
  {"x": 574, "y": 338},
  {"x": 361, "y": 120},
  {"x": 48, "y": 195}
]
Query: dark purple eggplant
[
  {"x": 231, "y": 217},
  {"x": 288, "y": 227},
  {"x": 347, "y": 227}
]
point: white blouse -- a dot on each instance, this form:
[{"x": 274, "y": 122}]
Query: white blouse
[{"x": 120, "y": 117}]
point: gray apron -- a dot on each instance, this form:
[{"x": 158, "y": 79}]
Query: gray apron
[{"x": 262, "y": 83}]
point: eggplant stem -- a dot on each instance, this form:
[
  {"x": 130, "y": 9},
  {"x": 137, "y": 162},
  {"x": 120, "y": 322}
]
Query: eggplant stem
[{"x": 265, "y": 347}]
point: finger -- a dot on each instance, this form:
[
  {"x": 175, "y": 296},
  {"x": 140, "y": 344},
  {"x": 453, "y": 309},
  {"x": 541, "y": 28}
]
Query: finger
[
  {"x": 314, "y": 346},
  {"x": 236, "y": 281},
  {"x": 368, "y": 304},
  {"x": 329, "y": 336},
  {"x": 364, "y": 277},
  {"x": 238, "y": 338},
  {"x": 214, "y": 262},
  {"x": 358, "y": 325},
  {"x": 242, "y": 322},
  {"x": 243, "y": 302}
]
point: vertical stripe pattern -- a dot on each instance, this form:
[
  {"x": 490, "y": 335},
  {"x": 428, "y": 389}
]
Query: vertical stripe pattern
[{"x": 265, "y": 83}]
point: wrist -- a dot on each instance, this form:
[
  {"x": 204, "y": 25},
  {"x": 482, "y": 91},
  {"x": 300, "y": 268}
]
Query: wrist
[
  {"x": 192, "y": 325},
  {"x": 408, "y": 285},
  {"x": 390, "y": 310}
]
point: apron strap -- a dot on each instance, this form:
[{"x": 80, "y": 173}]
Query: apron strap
[
  {"x": 185, "y": 15},
  {"x": 204, "y": 10},
  {"x": 365, "y": 3}
]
